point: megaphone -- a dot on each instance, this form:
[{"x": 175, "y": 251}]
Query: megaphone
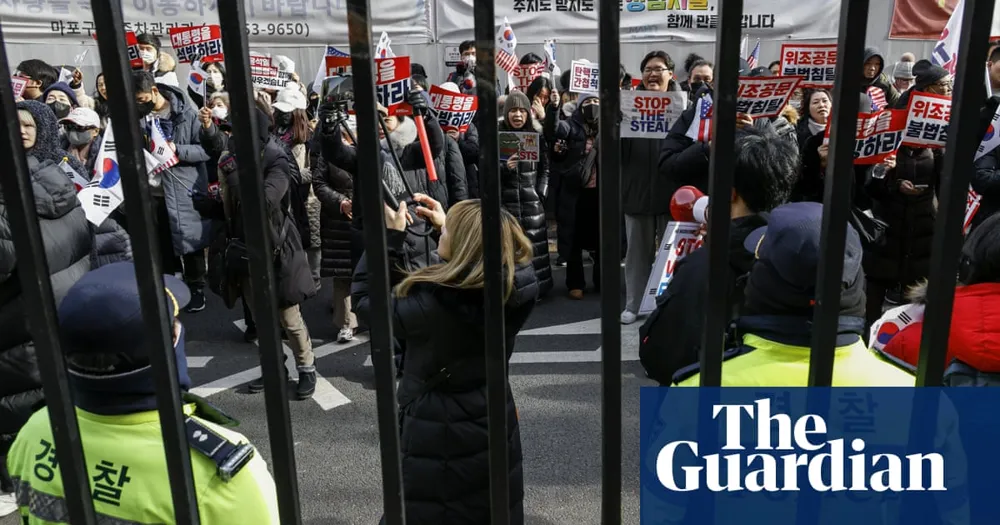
[{"x": 689, "y": 204}]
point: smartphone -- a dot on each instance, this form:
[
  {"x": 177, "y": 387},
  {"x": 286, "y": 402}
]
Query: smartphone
[{"x": 921, "y": 186}]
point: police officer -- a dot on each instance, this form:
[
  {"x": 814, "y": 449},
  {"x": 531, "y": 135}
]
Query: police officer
[{"x": 107, "y": 353}]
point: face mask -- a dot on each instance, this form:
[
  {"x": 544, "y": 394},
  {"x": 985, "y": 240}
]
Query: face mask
[
  {"x": 695, "y": 86},
  {"x": 148, "y": 57},
  {"x": 469, "y": 61},
  {"x": 795, "y": 103},
  {"x": 220, "y": 112},
  {"x": 145, "y": 108},
  {"x": 215, "y": 79},
  {"x": 60, "y": 109},
  {"x": 79, "y": 138},
  {"x": 591, "y": 113},
  {"x": 282, "y": 120}
]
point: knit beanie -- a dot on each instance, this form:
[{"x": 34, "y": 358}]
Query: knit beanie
[
  {"x": 64, "y": 87},
  {"x": 927, "y": 74},
  {"x": 516, "y": 100}
]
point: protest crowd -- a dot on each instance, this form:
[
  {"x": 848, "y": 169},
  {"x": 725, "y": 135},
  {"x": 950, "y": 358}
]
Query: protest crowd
[{"x": 550, "y": 177}]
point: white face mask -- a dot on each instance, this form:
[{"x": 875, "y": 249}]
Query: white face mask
[
  {"x": 215, "y": 79},
  {"x": 148, "y": 57},
  {"x": 220, "y": 112},
  {"x": 469, "y": 60}
]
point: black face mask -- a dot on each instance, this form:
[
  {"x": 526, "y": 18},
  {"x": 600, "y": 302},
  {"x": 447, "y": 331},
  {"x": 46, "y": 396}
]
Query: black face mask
[
  {"x": 695, "y": 86},
  {"x": 282, "y": 120},
  {"x": 145, "y": 108},
  {"x": 591, "y": 113},
  {"x": 60, "y": 109}
]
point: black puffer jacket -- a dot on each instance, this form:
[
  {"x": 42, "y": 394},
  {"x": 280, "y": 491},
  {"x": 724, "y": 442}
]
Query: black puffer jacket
[
  {"x": 567, "y": 167},
  {"x": 451, "y": 167},
  {"x": 68, "y": 242},
  {"x": 468, "y": 144},
  {"x": 334, "y": 186},
  {"x": 522, "y": 192},
  {"x": 445, "y": 440},
  {"x": 905, "y": 256}
]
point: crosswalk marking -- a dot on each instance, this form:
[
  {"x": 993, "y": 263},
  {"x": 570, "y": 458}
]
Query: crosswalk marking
[{"x": 198, "y": 361}]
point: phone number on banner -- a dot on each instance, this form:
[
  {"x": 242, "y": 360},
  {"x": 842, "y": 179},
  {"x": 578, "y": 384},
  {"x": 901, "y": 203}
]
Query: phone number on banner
[{"x": 86, "y": 27}]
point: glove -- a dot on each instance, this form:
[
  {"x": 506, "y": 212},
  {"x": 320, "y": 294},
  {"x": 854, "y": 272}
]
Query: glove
[{"x": 417, "y": 100}]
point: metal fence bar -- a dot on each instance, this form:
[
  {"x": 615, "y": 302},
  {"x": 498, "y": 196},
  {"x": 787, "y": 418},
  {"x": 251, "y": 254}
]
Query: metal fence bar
[
  {"x": 496, "y": 351},
  {"x": 721, "y": 166},
  {"x": 232, "y": 20},
  {"x": 36, "y": 292},
  {"x": 368, "y": 166},
  {"x": 957, "y": 173},
  {"x": 609, "y": 187},
  {"x": 837, "y": 192},
  {"x": 149, "y": 273}
]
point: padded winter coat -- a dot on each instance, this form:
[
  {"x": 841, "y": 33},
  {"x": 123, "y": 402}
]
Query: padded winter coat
[
  {"x": 68, "y": 241},
  {"x": 333, "y": 186},
  {"x": 522, "y": 191},
  {"x": 444, "y": 435}
]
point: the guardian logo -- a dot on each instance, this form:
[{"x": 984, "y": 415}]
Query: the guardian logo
[{"x": 812, "y": 459}]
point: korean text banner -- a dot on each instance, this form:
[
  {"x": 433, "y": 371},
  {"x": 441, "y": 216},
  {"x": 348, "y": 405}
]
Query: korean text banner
[
  {"x": 815, "y": 63},
  {"x": 454, "y": 111},
  {"x": 764, "y": 96},
  {"x": 575, "y": 21},
  {"x": 878, "y": 135},
  {"x": 269, "y": 22},
  {"x": 648, "y": 114},
  {"x": 264, "y": 73},
  {"x": 927, "y": 118},
  {"x": 583, "y": 77},
  {"x": 392, "y": 83},
  {"x": 194, "y": 43},
  {"x": 754, "y": 456}
]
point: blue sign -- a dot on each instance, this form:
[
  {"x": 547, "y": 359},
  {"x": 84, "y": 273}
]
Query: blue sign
[{"x": 855, "y": 456}]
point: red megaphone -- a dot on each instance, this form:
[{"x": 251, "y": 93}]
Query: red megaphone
[{"x": 688, "y": 204}]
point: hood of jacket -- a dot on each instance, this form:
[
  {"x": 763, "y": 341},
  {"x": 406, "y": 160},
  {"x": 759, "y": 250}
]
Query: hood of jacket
[
  {"x": 403, "y": 135},
  {"x": 869, "y": 53},
  {"x": 739, "y": 258},
  {"x": 467, "y": 304},
  {"x": 48, "y": 146},
  {"x": 178, "y": 104}
]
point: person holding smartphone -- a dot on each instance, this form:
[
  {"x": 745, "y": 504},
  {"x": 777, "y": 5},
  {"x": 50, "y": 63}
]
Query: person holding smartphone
[{"x": 905, "y": 197}]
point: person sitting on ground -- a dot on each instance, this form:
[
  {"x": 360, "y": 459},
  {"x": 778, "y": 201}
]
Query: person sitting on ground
[{"x": 777, "y": 318}]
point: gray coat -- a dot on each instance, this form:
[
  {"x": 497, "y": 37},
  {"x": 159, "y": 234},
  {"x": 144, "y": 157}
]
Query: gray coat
[{"x": 189, "y": 231}]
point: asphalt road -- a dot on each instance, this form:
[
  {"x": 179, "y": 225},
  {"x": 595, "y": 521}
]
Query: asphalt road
[{"x": 556, "y": 381}]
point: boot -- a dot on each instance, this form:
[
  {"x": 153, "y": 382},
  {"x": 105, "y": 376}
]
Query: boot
[{"x": 307, "y": 385}]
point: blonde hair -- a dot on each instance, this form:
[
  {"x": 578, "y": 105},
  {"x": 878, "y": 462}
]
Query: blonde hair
[{"x": 465, "y": 268}]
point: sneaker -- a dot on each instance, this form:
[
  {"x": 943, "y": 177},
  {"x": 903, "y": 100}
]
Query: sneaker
[
  {"x": 627, "y": 317},
  {"x": 197, "y": 302},
  {"x": 250, "y": 335},
  {"x": 345, "y": 335},
  {"x": 561, "y": 261},
  {"x": 307, "y": 385},
  {"x": 8, "y": 504}
]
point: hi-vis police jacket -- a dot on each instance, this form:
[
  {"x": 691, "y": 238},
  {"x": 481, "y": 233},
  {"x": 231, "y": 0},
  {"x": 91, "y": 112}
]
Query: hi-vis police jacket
[{"x": 128, "y": 474}]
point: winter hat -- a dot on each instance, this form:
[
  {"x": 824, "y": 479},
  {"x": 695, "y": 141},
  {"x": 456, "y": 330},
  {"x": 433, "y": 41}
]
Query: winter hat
[
  {"x": 903, "y": 70},
  {"x": 48, "y": 146},
  {"x": 64, "y": 87},
  {"x": 418, "y": 69},
  {"x": 450, "y": 86},
  {"x": 760, "y": 72},
  {"x": 583, "y": 98},
  {"x": 516, "y": 100},
  {"x": 927, "y": 74}
]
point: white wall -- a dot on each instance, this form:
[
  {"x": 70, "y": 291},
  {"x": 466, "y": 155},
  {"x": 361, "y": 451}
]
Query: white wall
[{"x": 431, "y": 56}]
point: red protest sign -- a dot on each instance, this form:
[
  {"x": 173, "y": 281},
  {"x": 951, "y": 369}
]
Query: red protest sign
[
  {"x": 392, "y": 83},
  {"x": 526, "y": 74},
  {"x": 132, "y": 42},
  {"x": 815, "y": 63},
  {"x": 878, "y": 135},
  {"x": 764, "y": 96},
  {"x": 454, "y": 111},
  {"x": 198, "y": 42},
  {"x": 337, "y": 66},
  {"x": 927, "y": 117}
]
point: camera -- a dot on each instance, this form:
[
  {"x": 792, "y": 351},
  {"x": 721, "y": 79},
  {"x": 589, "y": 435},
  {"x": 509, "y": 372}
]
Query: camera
[{"x": 336, "y": 101}]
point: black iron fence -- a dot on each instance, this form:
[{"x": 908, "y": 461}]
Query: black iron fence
[{"x": 34, "y": 277}]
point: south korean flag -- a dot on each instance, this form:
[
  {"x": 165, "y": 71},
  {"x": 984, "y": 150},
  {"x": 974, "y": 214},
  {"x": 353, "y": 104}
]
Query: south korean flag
[{"x": 103, "y": 194}]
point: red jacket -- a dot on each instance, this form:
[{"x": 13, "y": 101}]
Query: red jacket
[{"x": 975, "y": 330}]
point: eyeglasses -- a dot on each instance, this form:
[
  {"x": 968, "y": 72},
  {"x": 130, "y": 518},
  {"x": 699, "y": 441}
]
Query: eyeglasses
[{"x": 659, "y": 70}]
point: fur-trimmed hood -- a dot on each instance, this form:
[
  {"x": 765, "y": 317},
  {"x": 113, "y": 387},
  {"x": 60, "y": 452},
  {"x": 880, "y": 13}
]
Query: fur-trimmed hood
[{"x": 403, "y": 135}]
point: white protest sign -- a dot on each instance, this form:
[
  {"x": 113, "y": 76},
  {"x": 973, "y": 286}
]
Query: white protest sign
[
  {"x": 679, "y": 240},
  {"x": 18, "y": 84},
  {"x": 583, "y": 77},
  {"x": 762, "y": 97},
  {"x": 264, "y": 73},
  {"x": 525, "y": 74},
  {"x": 649, "y": 114},
  {"x": 816, "y": 63},
  {"x": 927, "y": 117}
]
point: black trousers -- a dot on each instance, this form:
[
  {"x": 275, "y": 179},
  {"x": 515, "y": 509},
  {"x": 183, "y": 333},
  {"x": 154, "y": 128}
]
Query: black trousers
[{"x": 586, "y": 236}]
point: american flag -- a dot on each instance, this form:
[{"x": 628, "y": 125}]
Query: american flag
[
  {"x": 878, "y": 98},
  {"x": 754, "y": 56},
  {"x": 701, "y": 126},
  {"x": 506, "y": 61},
  {"x": 506, "y": 56}
]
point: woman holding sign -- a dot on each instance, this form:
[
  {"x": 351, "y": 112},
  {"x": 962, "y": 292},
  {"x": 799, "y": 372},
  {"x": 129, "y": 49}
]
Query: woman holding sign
[{"x": 524, "y": 185}]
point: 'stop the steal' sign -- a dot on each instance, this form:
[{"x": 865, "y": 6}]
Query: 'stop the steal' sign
[
  {"x": 526, "y": 74},
  {"x": 194, "y": 43},
  {"x": 649, "y": 114},
  {"x": 583, "y": 77},
  {"x": 392, "y": 83},
  {"x": 927, "y": 118},
  {"x": 764, "y": 96},
  {"x": 815, "y": 63}
]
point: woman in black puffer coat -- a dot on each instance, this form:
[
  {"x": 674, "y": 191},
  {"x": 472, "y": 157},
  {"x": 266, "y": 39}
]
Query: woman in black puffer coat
[
  {"x": 906, "y": 199},
  {"x": 334, "y": 188},
  {"x": 524, "y": 185},
  {"x": 68, "y": 242},
  {"x": 442, "y": 393}
]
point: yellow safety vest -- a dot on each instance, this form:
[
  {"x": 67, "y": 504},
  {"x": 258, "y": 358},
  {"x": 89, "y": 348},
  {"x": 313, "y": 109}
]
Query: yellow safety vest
[{"x": 128, "y": 474}]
